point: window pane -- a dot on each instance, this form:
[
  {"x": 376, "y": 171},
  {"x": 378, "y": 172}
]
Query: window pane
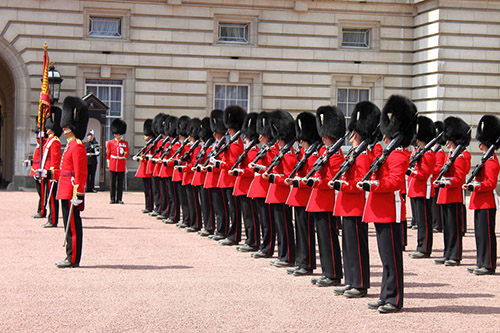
[
  {"x": 363, "y": 95},
  {"x": 105, "y": 26},
  {"x": 232, "y": 92},
  {"x": 231, "y": 95},
  {"x": 359, "y": 38},
  {"x": 220, "y": 91},
  {"x": 233, "y": 33},
  {"x": 353, "y": 95},
  {"x": 342, "y": 95}
]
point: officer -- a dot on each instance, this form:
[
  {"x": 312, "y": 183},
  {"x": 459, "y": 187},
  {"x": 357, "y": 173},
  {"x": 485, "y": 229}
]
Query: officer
[
  {"x": 116, "y": 155},
  {"x": 143, "y": 163},
  {"x": 93, "y": 150},
  {"x": 72, "y": 177}
]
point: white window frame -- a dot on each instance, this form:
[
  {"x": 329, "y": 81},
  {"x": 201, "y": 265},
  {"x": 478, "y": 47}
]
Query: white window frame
[
  {"x": 228, "y": 40},
  {"x": 109, "y": 117},
  {"x": 119, "y": 28},
  {"x": 249, "y": 20},
  {"x": 374, "y": 34},
  {"x": 367, "y": 40},
  {"x": 122, "y": 14},
  {"x": 247, "y": 108}
]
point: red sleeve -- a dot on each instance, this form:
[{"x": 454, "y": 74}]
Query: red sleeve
[
  {"x": 80, "y": 167},
  {"x": 440, "y": 157},
  {"x": 329, "y": 170},
  {"x": 491, "y": 170},
  {"x": 55, "y": 154},
  {"x": 425, "y": 167},
  {"x": 288, "y": 163},
  {"x": 461, "y": 169},
  {"x": 394, "y": 180},
  {"x": 127, "y": 151},
  {"x": 108, "y": 150},
  {"x": 360, "y": 167}
]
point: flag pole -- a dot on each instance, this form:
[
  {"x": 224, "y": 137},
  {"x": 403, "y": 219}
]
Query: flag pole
[{"x": 44, "y": 101}]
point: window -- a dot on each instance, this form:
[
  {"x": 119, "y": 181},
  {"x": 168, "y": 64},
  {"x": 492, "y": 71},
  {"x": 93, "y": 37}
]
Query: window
[
  {"x": 347, "y": 98},
  {"x": 356, "y": 38},
  {"x": 231, "y": 95},
  {"x": 105, "y": 27},
  {"x": 233, "y": 33},
  {"x": 110, "y": 92}
]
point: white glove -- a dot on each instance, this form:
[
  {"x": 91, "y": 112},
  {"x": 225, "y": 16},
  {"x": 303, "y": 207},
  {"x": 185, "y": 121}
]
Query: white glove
[
  {"x": 26, "y": 163},
  {"x": 122, "y": 151},
  {"x": 76, "y": 202},
  {"x": 134, "y": 158},
  {"x": 41, "y": 173},
  {"x": 213, "y": 160}
]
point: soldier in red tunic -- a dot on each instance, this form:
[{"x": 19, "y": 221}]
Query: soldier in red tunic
[
  {"x": 350, "y": 202},
  {"x": 451, "y": 196},
  {"x": 34, "y": 163},
  {"x": 305, "y": 241},
  {"x": 142, "y": 170},
  {"x": 385, "y": 205},
  {"x": 51, "y": 160},
  {"x": 484, "y": 199},
  {"x": 72, "y": 177},
  {"x": 331, "y": 127},
  {"x": 437, "y": 215},
  {"x": 421, "y": 189},
  {"x": 169, "y": 195},
  {"x": 116, "y": 155}
]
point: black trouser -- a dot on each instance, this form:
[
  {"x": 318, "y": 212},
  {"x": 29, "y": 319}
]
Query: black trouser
[
  {"x": 234, "y": 233},
  {"x": 268, "y": 226},
  {"x": 452, "y": 230},
  {"x": 193, "y": 199},
  {"x": 329, "y": 247},
  {"x": 174, "y": 207},
  {"x": 250, "y": 220},
  {"x": 181, "y": 194},
  {"x": 437, "y": 215},
  {"x": 162, "y": 184},
  {"x": 148, "y": 194},
  {"x": 221, "y": 210},
  {"x": 464, "y": 218},
  {"x": 53, "y": 202},
  {"x": 91, "y": 176},
  {"x": 75, "y": 234},
  {"x": 42, "y": 194},
  {"x": 282, "y": 215},
  {"x": 155, "y": 188},
  {"x": 305, "y": 239},
  {"x": 421, "y": 208},
  {"x": 355, "y": 252},
  {"x": 486, "y": 242},
  {"x": 206, "y": 209},
  {"x": 391, "y": 255},
  {"x": 117, "y": 185}
]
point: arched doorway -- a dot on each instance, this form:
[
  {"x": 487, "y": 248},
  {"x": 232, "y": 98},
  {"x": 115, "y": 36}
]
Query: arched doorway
[{"x": 7, "y": 115}]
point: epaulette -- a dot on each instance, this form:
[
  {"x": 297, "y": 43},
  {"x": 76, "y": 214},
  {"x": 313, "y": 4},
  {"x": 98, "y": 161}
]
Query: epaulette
[{"x": 78, "y": 141}]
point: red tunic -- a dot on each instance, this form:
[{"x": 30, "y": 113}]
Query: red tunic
[
  {"x": 35, "y": 164},
  {"x": 212, "y": 177},
  {"x": 151, "y": 164},
  {"x": 278, "y": 191},
  {"x": 143, "y": 166},
  {"x": 199, "y": 177},
  {"x": 187, "y": 173},
  {"x": 73, "y": 166},
  {"x": 484, "y": 196},
  {"x": 456, "y": 175},
  {"x": 299, "y": 196},
  {"x": 229, "y": 156},
  {"x": 116, "y": 154},
  {"x": 322, "y": 197},
  {"x": 52, "y": 151},
  {"x": 244, "y": 179},
  {"x": 420, "y": 181},
  {"x": 385, "y": 203},
  {"x": 260, "y": 186},
  {"x": 350, "y": 199},
  {"x": 159, "y": 166}
]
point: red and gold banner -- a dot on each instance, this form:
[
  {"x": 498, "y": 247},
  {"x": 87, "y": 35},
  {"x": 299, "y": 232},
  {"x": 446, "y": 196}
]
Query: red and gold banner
[{"x": 44, "y": 102}]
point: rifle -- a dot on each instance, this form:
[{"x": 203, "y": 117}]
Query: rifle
[
  {"x": 478, "y": 167},
  {"x": 187, "y": 155},
  {"x": 181, "y": 147},
  {"x": 167, "y": 150},
  {"x": 218, "y": 147},
  {"x": 277, "y": 158},
  {"x": 226, "y": 145},
  {"x": 203, "y": 151},
  {"x": 262, "y": 152},
  {"x": 142, "y": 149},
  {"x": 421, "y": 151},
  {"x": 244, "y": 154},
  {"x": 312, "y": 148},
  {"x": 318, "y": 165},
  {"x": 153, "y": 144},
  {"x": 444, "y": 169},
  {"x": 351, "y": 158},
  {"x": 381, "y": 159}
]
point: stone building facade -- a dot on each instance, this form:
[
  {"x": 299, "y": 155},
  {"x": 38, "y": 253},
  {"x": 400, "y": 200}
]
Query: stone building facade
[{"x": 188, "y": 56}]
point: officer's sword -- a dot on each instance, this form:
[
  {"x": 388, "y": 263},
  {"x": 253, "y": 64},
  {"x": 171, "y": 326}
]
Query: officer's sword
[
  {"x": 69, "y": 216},
  {"x": 50, "y": 194}
]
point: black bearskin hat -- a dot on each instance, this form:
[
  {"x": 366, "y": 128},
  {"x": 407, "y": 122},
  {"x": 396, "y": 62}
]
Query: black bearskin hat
[
  {"x": 488, "y": 130},
  {"x": 306, "y": 128},
  {"x": 439, "y": 129},
  {"x": 426, "y": 130},
  {"x": 364, "y": 120},
  {"x": 263, "y": 124},
  {"x": 170, "y": 126},
  {"x": 182, "y": 125},
  {"x": 53, "y": 122},
  {"x": 330, "y": 121},
  {"x": 193, "y": 128},
  {"x": 456, "y": 130},
  {"x": 158, "y": 122},
  {"x": 217, "y": 121},
  {"x": 282, "y": 125},
  {"x": 399, "y": 116},
  {"x": 75, "y": 116},
  {"x": 249, "y": 127},
  {"x": 118, "y": 126},
  {"x": 147, "y": 128},
  {"x": 234, "y": 116},
  {"x": 205, "y": 131}
]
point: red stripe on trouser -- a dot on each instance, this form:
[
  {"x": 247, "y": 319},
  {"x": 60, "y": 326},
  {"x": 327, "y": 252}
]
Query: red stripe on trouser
[
  {"x": 395, "y": 266},
  {"x": 254, "y": 225},
  {"x": 196, "y": 208},
  {"x": 309, "y": 239},
  {"x": 489, "y": 240},
  {"x": 151, "y": 201},
  {"x": 52, "y": 208},
  {"x": 359, "y": 252},
  {"x": 211, "y": 210},
  {"x": 426, "y": 227},
  {"x": 73, "y": 234},
  {"x": 331, "y": 244},
  {"x": 225, "y": 203},
  {"x": 175, "y": 201},
  {"x": 270, "y": 229},
  {"x": 161, "y": 197},
  {"x": 42, "y": 197},
  {"x": 458, "y": 231},
  {"x": 286, "y": 231}
]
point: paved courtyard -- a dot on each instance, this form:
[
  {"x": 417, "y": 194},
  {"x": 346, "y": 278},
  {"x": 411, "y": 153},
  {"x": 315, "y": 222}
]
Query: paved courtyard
[{"x": 138, "y": 274}]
